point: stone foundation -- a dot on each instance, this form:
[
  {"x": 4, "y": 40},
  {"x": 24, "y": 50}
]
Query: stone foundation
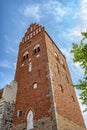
[
  {"x": 41, "y": 124},
  {"x": 65, "y": 124},
  {"x": 7, "y": 116}
]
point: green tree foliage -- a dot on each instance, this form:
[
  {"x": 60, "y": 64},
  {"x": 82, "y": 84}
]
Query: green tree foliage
[{"x": 80, "y": 55}]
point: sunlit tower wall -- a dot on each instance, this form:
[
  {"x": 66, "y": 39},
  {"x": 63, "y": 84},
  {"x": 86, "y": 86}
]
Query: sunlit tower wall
[{"x": 45, "y": 98}]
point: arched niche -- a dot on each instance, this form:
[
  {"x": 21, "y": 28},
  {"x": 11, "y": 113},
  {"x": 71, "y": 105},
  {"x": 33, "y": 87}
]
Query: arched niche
[{"x": 30, "y": 122}]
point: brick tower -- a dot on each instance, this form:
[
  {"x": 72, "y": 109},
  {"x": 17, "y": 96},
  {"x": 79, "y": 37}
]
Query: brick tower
[{"x": 45, "y": 99}]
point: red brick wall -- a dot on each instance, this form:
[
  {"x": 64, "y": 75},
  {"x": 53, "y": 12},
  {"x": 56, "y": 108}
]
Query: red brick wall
[
  {"x": 49, "y": 70},
  {"x": 27, "y": 97},
  {"x": 65, "y": 97}
]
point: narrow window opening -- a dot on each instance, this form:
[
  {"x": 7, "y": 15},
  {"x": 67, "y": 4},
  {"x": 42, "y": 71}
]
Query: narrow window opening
[
  {"x": 63, "y": 65},
  {"x": 73, "y": 99},
  {"x": 67, "y": 78},
  {"x": 56, "y": 56},
  {"x": 19, "y": 113},
  {"x": 61, "y": 88},
  {"x": 36, "y": 50},
  {"x": 61, "y": 61},
  {"x": 30, "y": 67},
  {"x": 25, "y": 56},
  {"x": 57, "y": 68}
]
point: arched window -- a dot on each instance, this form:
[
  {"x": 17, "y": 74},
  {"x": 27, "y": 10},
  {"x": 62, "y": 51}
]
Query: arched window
[
  {"x": 25, "y": 56},
  {"x": 36, "y": 49},
  {"x": 30, "y": 124},
  {"x": 34, "y": 85}
]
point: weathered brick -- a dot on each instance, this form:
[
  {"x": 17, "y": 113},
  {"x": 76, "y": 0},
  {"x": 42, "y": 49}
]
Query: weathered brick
[{"x": 50, "y": 71}]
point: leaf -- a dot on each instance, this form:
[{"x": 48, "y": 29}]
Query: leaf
[{"x": 80, "y": 55}]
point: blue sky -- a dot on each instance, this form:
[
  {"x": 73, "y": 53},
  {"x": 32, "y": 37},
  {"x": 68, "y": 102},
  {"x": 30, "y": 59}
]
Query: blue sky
[{"x": 63, "y": 20}]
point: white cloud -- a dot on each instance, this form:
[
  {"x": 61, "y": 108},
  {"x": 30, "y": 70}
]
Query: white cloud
[
  {"x": 78, "y": 67},
  {"x": 79, "y": 16},
  {"x": 69, "y": 56},
  {"x": 11, "y": 50},
  {"x": 81, "y": 12},
  {"x": 7, "y": 64},
  {"x": 32, "y": 11},
  {"x": 56, "y": 9},
  {"x": 75, "y": 33},
  {"x": 52, "y": 8},
  {"x": 67, "y": 53}
]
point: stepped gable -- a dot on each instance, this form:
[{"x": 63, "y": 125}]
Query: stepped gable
[{"x": 32, "y": 31}]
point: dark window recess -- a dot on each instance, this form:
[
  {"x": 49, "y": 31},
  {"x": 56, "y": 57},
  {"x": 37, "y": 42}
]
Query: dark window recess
[
  {"x": 64, "y": 66},
  {"x": 62, "y": 63},
  {"x": 61, "y": 88},
  {"x": 57, "y": 68},
  {"x": 36, "y": 50},
  {"x": 73, "y": 99},
  {"x": 25, "y": 57},
  {"x": 19, "y": 113},
  {"x": 57, "y": 58},
  {"x": 67, "y": 78}
]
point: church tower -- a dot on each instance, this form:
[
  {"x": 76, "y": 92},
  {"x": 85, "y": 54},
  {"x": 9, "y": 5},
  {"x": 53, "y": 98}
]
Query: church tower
[{"x": 45, "y": 98}]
